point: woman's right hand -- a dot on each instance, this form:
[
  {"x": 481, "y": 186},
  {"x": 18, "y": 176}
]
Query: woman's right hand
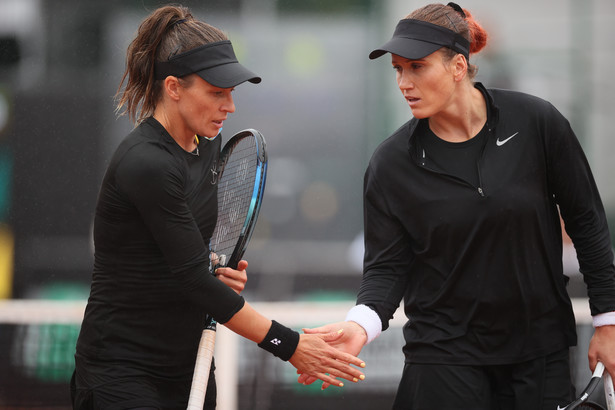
[{"x": 316, "y": 357}]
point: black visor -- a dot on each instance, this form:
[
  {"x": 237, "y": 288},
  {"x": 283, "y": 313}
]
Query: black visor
[
  {"x": 213, "y": 62},
  {"x": 415, "y": 39}
]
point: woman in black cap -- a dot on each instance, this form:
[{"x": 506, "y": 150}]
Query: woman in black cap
[
  {"x": 151, "y": 286},
  {"x": 462, "y": 221}
]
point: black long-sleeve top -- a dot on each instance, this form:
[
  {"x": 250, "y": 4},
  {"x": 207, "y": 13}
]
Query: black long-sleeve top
[
  {"x": 479, "y": 266},
  {"x": 151, "y": 285}
]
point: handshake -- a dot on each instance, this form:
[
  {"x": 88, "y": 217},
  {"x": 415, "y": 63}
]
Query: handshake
[{"x": 328, "y": 352}]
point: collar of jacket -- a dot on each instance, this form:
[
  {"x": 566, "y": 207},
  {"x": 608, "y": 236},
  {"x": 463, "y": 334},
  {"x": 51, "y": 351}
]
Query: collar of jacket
[{"x": 492, "y": 121}]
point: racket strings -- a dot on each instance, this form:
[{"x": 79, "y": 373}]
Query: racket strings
[{"x": 235, "y": 195}]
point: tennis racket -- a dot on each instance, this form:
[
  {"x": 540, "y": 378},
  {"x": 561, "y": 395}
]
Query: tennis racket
[
  {"x": 581, "y": 401},
  {"x": 609, "y": 392},
  {"x": 241, "y": 172},
  {"x": 589, "y": 405}
]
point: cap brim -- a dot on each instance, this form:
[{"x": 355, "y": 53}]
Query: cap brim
[
  {"x": 405, "y": 47},
  {"x": 228, "y": 75}
]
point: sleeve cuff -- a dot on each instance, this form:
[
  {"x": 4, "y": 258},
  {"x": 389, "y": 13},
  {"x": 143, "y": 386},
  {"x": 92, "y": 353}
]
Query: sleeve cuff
[
  {"x": 368, "y": 319},
  {"x": 604, "y": 319}
]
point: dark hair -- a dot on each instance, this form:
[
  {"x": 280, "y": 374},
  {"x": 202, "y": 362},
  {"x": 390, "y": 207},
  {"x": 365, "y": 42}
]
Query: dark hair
[
  {"x": 461, "y": 23},
  {"x": 167, "y": 31}
]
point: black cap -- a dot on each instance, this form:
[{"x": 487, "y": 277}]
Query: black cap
[
  {"x": 213, "y": 62},
  {"x": 415, "y": 39}
]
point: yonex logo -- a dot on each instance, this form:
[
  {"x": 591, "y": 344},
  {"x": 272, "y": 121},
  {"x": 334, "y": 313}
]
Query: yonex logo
[
  {"x": 500, "y": 143},
  {"x": 276, "y": 341}
]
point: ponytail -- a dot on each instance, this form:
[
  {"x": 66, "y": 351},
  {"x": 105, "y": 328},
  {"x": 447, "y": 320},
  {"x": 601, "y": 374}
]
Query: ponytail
[
  {"x": 167, "y": 31},
  {"x": 478, "y": 35}
]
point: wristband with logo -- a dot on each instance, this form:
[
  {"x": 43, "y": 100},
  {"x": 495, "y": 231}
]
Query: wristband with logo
[{"x": 280, "y": 341}]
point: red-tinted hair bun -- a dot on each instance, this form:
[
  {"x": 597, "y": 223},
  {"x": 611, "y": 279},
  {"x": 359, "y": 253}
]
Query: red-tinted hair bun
[{"x": 478, "y": 35}]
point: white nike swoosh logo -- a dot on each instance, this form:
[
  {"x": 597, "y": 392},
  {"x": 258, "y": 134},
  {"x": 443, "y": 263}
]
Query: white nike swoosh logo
[{"x": 500, "y": 143}]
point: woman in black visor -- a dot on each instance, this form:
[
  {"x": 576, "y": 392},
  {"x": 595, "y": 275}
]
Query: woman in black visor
[
  {"x": 156, "y": 211},
  {"x": 462, "y": 207}
]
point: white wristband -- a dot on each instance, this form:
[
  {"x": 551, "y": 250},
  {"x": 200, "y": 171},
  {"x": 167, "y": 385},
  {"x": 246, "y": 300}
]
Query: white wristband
[
  {"x": 368, "y": 319},
  {"x": 604, "y": 319}
]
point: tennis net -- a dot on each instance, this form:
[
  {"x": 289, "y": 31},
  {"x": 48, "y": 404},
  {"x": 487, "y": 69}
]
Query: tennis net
[
  {"x": 37, "y": 347},
  {"x": 38, "y": 337}
]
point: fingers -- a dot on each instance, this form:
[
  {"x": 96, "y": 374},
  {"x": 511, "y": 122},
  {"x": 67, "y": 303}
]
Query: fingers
[
  {"x": 242, "y": 265},
  {"x": 323, "y": 356},
  {"x": 315, "y": 330},
  {"x": 215, "y": 259},
  {"x": 340, "y": 355},
  {"x": 328, "y": 370},
  {"x": 345, "y": 371},
  {"x": 330, "y": 380},
  {"x": 239, "y": 274},
  {"x": 234, "y": 278},
  {"x": 328, "y": 328},
  {"x": 348, "y": 358},
  {"x": 337, "y": 364},
  {"x": 231, "y": 274},
  {"x": 306, "y": 379},
  {"x": 233, "y": 283},
  {"x": 332, "y": 336}
]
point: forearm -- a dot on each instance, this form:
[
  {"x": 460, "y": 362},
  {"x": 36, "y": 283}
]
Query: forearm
[
  {"x": 270, "y": 335},
  {"x": 250, "y": 324}
]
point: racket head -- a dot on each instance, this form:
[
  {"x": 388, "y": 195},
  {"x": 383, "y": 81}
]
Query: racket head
[
  {"x": 242, "y": 172},
  {"x": 581, "y": 400},
  {"x": 609, "y": 391}
]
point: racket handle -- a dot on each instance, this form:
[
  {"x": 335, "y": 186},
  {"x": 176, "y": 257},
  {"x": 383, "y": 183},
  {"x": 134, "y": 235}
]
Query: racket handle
[
  {"x": 201, "y": 370},
  {"x": 609, "y": 392}
]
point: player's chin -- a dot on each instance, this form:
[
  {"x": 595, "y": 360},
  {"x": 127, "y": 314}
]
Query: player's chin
[
  {"x": 211, "y": 131},
  {"x": 419, "y": 114}
]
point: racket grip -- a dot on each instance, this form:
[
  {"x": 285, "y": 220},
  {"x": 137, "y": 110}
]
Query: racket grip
[
  {"x": 609, "y": 392},
  {"x": 202, "y": 367}
]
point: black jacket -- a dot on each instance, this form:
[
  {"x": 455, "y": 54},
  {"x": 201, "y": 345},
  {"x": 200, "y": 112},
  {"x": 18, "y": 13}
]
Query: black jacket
[
  {"x": 480, "y": 267},
  {"x": 151, "y": 285}
]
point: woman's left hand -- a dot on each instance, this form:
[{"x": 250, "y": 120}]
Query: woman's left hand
[
  {"x": 602, "y": 349},
  {"x": 234, "y": 279},
  {"x": 351, "y": 340},
  {"x": 316, "y": 358}
]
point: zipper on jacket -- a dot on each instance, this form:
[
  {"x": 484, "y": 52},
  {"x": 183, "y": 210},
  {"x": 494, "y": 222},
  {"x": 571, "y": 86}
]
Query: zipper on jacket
[
  {"x": 480, "y": 157},
  {"x": 423, "y": 162},
  {"x": 480, "y": 179}
]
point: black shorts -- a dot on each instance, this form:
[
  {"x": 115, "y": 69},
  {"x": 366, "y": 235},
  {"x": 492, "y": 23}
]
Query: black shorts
[
  {"x": 135, "y": 393},
  {"x": 542, "y": 383}
]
